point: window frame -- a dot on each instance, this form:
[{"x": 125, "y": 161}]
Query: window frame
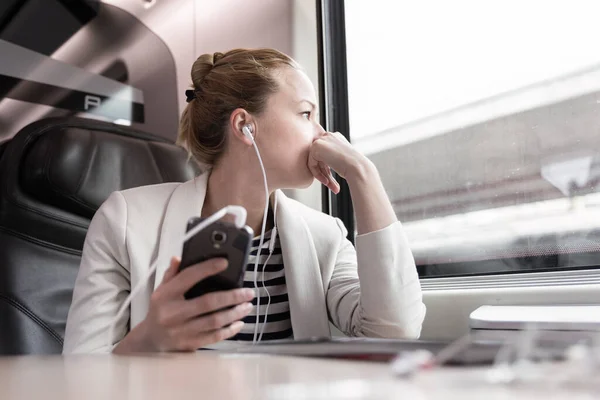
[{"x": 333, "y": 97}]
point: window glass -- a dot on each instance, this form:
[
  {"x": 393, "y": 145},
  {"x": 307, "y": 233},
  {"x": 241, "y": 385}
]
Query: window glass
[{"x": 483, "y": 119}]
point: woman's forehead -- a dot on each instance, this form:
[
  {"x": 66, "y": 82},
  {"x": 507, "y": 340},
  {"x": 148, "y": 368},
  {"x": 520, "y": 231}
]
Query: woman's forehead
[{"x": 295, "y": 85}]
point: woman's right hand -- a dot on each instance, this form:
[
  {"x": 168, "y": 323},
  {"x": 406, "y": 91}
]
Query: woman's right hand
[{"x": 176, "y": 324}]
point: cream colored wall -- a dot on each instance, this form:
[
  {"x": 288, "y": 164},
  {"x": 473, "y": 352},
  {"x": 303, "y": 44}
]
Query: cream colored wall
[{"x": 194, "y": 27}]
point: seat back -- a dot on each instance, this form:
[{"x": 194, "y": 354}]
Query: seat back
[{"x": 54, "y": 174}]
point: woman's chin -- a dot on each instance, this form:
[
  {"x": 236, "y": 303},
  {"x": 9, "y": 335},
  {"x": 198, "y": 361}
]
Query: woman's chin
[
  {"x": 301, "y": 182},
  {"x": 308, "y": 182}
]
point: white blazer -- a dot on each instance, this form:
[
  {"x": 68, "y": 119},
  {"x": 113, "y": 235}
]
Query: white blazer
[{"x": 371, "y": 291}]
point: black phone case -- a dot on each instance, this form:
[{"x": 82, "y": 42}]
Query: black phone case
[{"x": 210, "y": 243}]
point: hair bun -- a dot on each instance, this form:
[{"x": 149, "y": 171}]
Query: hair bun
[
  {"x": 217, "y": 57},
  {"x": 202, "y": 66}
]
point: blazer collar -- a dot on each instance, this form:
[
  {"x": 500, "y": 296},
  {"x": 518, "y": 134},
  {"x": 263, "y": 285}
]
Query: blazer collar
[
  {"x": 302, "y": 273},
  {"x": 303, "y": 278},
  {"x": 185, "y": 202}
]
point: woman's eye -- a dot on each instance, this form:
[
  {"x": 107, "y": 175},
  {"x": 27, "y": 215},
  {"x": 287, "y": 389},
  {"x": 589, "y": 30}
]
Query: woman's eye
[{"x": 306, "y": 114}]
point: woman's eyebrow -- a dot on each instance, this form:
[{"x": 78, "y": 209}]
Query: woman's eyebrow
[{"x": 313, "y": 105}]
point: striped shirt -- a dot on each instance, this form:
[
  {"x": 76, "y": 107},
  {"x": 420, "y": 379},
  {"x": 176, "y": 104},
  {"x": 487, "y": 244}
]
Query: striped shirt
[{"x": 278, "y": 323}]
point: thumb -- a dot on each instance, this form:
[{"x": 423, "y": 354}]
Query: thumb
[{"x": 172, "y": 270}]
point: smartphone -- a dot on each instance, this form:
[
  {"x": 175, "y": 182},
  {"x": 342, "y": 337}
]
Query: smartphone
[{"x": 220, "y": 239}]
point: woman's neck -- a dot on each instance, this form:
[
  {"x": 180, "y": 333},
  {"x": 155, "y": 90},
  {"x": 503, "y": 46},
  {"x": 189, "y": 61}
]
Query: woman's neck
[{"x": 241, "y": 187}]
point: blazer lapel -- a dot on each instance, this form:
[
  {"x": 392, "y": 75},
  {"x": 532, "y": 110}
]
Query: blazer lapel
[
  {"x": 186, "y": 202},
  {"x": 302, "y": 273}
]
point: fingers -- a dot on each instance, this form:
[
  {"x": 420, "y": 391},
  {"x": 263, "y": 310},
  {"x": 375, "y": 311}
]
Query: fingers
[
  {"x": 325, "y": 170},
  {"x": 321, "y": 152},
  {"x": 215, "y": 321},
  {"x": 313, "y": 166},
  {"x": 214, "y": 301},
  {"x": 322, "y": 173},
  {"x": 188, "y": 277},
  {"x": 172, "y": 270},
  {"x": 332, "y": 184},
  {"x": 339, "y": 136},
  {"x": 217, "y": 335},
  {"x": 188, "y": 338}
]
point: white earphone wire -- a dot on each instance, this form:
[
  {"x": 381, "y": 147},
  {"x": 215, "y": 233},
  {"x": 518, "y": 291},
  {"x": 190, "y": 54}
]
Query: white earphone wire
[
  {"x": 271, "y": 250},
  {"x": 262, "y": 234}
]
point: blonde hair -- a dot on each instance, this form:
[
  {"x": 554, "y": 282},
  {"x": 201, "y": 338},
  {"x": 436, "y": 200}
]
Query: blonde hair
[{"x": 222, "y": 82}]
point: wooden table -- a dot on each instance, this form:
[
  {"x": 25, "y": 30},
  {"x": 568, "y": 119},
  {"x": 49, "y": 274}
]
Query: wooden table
[{"x": 212, "y": 375}]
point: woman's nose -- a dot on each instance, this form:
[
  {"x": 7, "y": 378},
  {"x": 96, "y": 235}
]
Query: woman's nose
[{"x": 320, "y": 131}]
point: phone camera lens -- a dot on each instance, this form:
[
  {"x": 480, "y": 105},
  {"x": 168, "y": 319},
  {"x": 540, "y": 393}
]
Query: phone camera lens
[{"x": 219, "y": 237}]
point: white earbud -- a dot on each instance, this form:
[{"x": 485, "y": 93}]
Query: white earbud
[{"x": 247, "y": 130}]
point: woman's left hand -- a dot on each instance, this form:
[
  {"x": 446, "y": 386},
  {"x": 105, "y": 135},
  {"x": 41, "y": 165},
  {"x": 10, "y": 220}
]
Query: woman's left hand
[{"x": 333, "y": 151}]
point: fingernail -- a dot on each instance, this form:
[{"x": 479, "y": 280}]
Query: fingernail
[
  {"x": 237, "y": 325},
  {"x": 249, "y": 293},
  {"x": 245, "y": 306}
]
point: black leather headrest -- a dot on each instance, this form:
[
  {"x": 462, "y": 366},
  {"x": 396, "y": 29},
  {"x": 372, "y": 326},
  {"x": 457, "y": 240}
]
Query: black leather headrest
[{"x": 75, "y": 168}]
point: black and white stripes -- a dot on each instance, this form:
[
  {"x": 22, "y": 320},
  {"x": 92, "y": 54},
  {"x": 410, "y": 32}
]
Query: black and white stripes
[{"x": 271, "y": 278}]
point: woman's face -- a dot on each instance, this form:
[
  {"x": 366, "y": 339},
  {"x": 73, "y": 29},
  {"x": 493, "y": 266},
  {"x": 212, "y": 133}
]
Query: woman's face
[{"x": 286, "y": 129}]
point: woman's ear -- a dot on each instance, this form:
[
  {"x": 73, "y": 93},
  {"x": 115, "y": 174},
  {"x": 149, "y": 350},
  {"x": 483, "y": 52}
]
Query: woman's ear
[{"x": 239, "y": 119}]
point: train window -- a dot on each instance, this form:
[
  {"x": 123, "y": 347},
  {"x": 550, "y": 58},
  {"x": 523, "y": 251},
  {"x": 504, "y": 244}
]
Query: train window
[{"x": 483, "y": 119}]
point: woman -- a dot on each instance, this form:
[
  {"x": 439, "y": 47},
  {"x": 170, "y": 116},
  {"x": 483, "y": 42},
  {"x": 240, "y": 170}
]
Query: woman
[{"x": 315, "y": 277}]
